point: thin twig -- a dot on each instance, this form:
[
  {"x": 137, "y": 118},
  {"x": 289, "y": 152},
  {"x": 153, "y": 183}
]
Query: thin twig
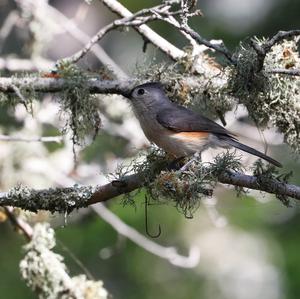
[
  {"x": 150, "y": 35},
  {"x": 221, "y": 48},
  {"x": 139, "y": 18},
  {"x": 73, "y": 30},
  {"x": 19, "y": 223},
  {"x": 57, "y": 139}
]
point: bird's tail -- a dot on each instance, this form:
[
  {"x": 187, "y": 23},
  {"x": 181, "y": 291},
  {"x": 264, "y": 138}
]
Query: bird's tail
[{"x": 251, "y": 150}]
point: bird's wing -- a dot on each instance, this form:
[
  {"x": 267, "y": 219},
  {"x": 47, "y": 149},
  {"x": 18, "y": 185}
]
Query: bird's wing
[{"x": 181, "y": 119}]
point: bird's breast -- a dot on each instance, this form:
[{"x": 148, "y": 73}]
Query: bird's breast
[{"x": 177, "y": 144}]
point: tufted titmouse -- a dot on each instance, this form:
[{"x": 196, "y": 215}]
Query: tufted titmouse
[{"x": 178, "y": 130}]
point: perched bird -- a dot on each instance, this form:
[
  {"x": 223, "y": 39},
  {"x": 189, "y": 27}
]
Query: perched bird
[{"x": 177, "y": 130}]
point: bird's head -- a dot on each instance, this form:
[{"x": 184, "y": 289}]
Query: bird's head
[{"x": 150, "y": 95}]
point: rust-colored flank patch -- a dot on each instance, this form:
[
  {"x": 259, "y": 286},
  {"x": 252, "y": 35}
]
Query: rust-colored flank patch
[{"x": 191, "y": 135}]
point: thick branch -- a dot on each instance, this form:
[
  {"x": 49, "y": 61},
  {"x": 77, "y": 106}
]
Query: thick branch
[
  {"x": 260, "y": 183},
  {"x": 37, "y": 84},
  {"x": 67, "y": 199}
]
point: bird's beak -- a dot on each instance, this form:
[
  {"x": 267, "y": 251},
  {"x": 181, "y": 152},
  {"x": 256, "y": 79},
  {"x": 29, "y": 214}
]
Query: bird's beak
[{"x": 126, "y": 93}]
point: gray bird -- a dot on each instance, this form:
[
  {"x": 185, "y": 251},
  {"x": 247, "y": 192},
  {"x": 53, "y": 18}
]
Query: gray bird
[{"x": 177, "y": 130}]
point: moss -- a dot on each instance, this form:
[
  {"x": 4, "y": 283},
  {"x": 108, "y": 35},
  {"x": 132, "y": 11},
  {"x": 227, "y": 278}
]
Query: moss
[
  {"x": 185, "y": 189},
  {"x": 271, "y": 99},
  {"x": 78, "y": 107}
]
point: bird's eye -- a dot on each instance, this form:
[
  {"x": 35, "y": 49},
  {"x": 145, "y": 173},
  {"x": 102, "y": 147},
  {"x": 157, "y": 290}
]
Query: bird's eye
[{"x": 141, "y": 91}]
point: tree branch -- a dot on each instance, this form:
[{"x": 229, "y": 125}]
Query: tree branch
[
  {"x": 67, "y": 199},
  {"x": 150, "y": 35},
  {"x": 139, "y": 18},
  {"x": 70, "y": 27},
  {"x": 38, "y": 84}
]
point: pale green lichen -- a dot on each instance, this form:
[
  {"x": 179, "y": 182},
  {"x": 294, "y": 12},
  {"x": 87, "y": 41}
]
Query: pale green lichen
[
  {"x": 23, "y": 94},
  {"x": 189, "y": 89},
  {"x": 46, "y": 274},
  {"x": 147, "y": 164},
  {"x": 77, "y": 106},
  {"x": 267, "y": 172},
  {"x": 166, "y": 183},
  {"x": 63, "y": 200},
  {"x": 185, "y": 189},
  {"x": 271, "y": 99}
]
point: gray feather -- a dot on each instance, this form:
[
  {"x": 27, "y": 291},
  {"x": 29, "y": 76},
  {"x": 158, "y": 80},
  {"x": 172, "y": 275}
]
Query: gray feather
[{"x": 251, "y": 150}]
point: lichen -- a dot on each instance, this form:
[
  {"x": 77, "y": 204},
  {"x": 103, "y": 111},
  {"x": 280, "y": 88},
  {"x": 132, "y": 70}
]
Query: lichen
[
  {"x": 24, "y": 94},
  {"x": 78, "y": 107},
  {"x": 188, "y": 89},
  {"x": 185, "y": 189},
  {"x": 147, "y": 164},
  {"x": 267, "y": 172},
  {"x": 63, "y": 200},
  {"x": 271, "y": 99},
  {"x": 46, "y": 274}
]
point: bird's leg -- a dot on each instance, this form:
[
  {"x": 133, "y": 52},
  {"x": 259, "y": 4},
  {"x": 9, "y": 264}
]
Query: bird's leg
[{"x": 196, "y": 156}]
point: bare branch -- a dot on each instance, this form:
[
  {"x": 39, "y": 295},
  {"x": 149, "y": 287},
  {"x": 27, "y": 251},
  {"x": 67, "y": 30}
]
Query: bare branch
[
  {"x": 150, "y": 35},
  {"x": 139, "y": 18},
  {"x": 278, "y": 37},
  {"x": 168, "y": 253},
  {"x": 18, "y": 223},
  {"x": 164, "y": 45},
  {"x": 56, "y": 139},
  {"x": 71, "y": 28}
]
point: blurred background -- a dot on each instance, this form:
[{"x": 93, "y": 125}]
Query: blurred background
[{"x": 249, "y": 245}]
